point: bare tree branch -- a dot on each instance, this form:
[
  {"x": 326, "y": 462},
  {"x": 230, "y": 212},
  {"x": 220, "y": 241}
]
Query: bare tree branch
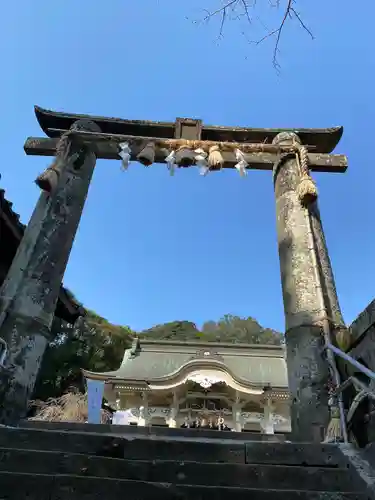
[{"x": 238, "y": 9}]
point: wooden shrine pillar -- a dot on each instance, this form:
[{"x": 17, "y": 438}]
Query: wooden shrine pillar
[
  {"x": 302, "y": 293},
  {"x": 29, "y": 293}
]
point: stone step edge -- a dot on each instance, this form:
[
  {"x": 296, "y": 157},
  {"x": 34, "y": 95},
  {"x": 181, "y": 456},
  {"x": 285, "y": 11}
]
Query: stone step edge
[
  {"x": 138, "y": 437},
  {"x": 110, "y": 480},
  {"x": 89, "y": 456},
  {"x": 150, "y": 437},
  {"x": 147, "y": 430}
]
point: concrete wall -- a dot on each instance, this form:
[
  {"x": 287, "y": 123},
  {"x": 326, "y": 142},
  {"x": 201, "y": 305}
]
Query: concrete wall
[{"x": 363, "y": 334}]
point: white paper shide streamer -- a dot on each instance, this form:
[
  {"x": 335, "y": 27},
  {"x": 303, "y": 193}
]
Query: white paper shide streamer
[
  {"x": 171, "y": 162},
  {"x": 124, "y": 154},
  {"x": 241, "y": 163},
  {"x": 201, "y": 161}
]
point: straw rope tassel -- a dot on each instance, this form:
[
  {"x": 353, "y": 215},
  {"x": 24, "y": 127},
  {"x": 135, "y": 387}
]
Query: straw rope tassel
[
  {"x": 306, "y": 189},
  {"x": 47, "y": 180},
  {"x": 334, "y": 431},
  {"x": 343, "y": 338},
  {"x": 185, "y": 156},
  {"x": 215, "y": 158},
  {"x": 147, "y": 155}
]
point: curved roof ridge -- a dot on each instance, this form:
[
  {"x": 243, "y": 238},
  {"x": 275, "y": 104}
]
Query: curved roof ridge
[{"x": 158, "y": 366}]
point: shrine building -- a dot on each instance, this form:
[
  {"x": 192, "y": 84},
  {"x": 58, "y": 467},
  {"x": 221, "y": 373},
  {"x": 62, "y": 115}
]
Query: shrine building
[{"x": 177, "y": 384}]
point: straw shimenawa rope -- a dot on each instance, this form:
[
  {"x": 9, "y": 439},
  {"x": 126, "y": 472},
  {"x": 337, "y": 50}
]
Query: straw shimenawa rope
[
  {"x": 185, "y": 153},
  {"x": 258, "y": 147},
  {"x": 215, "y": 158},
  {"x": 48, "y": 180},
  {"x": 306, "y": 189},
  {"x": 147, "y": 155}
]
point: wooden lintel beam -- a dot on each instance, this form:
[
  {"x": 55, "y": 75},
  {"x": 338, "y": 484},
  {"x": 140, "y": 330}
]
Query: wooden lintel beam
[{"x": 319, "y": 162}]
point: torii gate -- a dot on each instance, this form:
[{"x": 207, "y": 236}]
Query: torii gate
[{"x": 29, "y": 293}]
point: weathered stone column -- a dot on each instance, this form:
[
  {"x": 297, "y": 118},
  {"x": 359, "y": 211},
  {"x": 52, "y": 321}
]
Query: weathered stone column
[
  {"x": 302, "y": 290},
  {"x": 29, "y": 294}
]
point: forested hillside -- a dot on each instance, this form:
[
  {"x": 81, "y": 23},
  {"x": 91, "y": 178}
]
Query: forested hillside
[{"x": 230, "y": 328}]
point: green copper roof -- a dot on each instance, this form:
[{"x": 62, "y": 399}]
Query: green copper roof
[{"x": 152, "y": 361}]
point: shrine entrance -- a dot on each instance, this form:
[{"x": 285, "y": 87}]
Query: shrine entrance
[{"x": 29, "y": 294}]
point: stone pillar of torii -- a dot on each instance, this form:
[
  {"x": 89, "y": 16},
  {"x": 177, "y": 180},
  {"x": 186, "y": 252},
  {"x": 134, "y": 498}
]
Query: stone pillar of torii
[{"x": 29, "y": 294}]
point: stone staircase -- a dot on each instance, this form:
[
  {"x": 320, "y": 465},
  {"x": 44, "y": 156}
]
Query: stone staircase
[{"x": 52, "y": 462}]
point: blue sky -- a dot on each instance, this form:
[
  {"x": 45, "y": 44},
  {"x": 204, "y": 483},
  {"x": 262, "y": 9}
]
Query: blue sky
[{"x": 152, "y": 248}]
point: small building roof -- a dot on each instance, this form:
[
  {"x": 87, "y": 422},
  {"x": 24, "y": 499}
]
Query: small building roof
[{"x": 156, "y": 361}]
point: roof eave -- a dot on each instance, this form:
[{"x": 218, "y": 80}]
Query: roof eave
[
  {"x": 68, "y": 309},
  {"x": 115, "y": 376},
  {"x": 201, "y": 345}
]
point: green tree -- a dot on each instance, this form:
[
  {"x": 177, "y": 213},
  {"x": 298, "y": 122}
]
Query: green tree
[
  {"x": 229, "y": 328},
  {"x": 235, "y": 329},
  {"x": 174, "y": 330},
  {"x": 93, "y": 343}
]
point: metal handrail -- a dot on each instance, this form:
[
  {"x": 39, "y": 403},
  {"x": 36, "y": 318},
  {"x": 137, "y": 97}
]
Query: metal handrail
[
  {"x": 351, "y": 360},
  {"x": 341, "y": 388},
  {"x": 364, "y": 390},
  {"x": 4, "y": 351}
]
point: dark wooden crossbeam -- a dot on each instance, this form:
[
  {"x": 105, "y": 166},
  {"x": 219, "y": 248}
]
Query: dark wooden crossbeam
[
  {"x": 324, "y": 140},
  {"x": 319, "y": 162}
]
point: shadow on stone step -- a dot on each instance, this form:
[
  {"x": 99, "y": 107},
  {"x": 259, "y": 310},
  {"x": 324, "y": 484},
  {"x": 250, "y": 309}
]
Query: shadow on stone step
[
  {"x": 43, "y": 487},
  {"x": 178, "y": 472}
]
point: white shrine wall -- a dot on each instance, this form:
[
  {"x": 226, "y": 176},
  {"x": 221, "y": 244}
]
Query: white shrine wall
[{"x": 161, "y": 416}]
